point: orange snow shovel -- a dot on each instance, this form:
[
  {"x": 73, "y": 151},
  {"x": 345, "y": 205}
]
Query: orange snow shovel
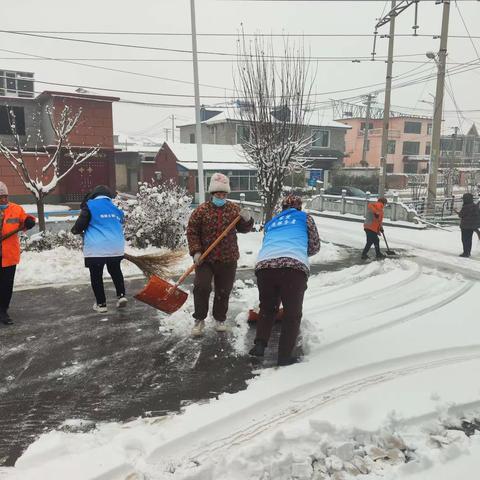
[{"x": 169, "y": 298}]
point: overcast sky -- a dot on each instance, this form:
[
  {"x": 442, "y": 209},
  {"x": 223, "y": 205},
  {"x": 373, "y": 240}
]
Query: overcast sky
[{"x": 227, "y": 16}]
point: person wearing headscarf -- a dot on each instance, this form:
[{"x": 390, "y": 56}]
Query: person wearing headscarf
[
  {"x": 205, "y": 225},
  {"x": 101, "y": 224},
  {"x": 282, "y": 272}
]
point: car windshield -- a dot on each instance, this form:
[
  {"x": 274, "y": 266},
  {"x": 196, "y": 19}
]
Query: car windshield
[{"x": 356, "y": 192}]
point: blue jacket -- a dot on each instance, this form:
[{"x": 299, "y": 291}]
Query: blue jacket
[
  {"x": 286, "y": 235},
  {"x": 104, "y": 234}
]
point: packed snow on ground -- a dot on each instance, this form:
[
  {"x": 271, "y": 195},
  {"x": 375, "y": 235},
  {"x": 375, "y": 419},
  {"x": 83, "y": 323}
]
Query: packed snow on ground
[
  {"x": 62, "y": 265},
  {"x": 391, "y": 350}
]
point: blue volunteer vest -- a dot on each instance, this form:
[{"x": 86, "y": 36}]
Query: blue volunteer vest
[
  {"x": 286, "y": 235},
  {"x": 104, "y": 235}
]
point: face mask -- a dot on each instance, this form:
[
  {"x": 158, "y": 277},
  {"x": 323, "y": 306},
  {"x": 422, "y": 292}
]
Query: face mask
[
  {"x": 218, "y": 202},
  {"x": 3, "y": 207}
]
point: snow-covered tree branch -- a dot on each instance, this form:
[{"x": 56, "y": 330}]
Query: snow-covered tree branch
[
  {"x": 273, "y": 92},
  {"x": 41, "y": 181}
]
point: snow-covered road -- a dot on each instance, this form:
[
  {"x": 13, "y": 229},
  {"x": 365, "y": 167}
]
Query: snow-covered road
[{"x": 392, "y": 350}]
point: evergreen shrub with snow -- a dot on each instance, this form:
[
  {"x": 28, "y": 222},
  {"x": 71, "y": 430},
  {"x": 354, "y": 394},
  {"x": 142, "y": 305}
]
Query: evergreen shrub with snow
[
  {"x": 157, "y": 217},
  {"x": 49, "y": 240}
]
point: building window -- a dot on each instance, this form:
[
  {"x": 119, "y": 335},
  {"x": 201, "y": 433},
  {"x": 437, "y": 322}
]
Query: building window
[
  {"x": 389, "y": 167},
  {"x": 192, "y": 138},
  {"x": 16, "y": 84},
  {"x": 321, "y": 139},
  {"x": 429, "y": 128},
  {"x": 362, "y": 126},
  {"x": 412, "y": 127},
  {"x": 240, "y": 180},
  {"x": 391, "y": 147},
  {"x": 5, "y": 120},
  {"x": 411, "y": 148},
  {"x": 243, "y": 133},
  {"x": 410, "y": 167},
  {"x": 428, "y": 148}
]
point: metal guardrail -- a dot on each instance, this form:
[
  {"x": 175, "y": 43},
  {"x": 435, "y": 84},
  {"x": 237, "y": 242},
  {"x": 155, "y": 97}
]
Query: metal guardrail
[{"x": 61, "y": 213}]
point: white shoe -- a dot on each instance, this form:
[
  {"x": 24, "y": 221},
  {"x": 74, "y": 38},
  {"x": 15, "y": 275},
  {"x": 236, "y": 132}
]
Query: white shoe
[
  {"x": 122, "y": 301},
  {"x": 198, "y": 328},
  {"x": 220, "y": 326},
  {"x": 100, "y": 308}
]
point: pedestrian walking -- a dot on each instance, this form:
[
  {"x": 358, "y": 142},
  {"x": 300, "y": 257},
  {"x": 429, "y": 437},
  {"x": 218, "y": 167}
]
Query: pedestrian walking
[
  {"x": 469, "y": 223},
  {"x": 101, "y": 224},
  {"x": 206, "y": 223},
  {"x": 12, "y": 219},
  {"x": 282, "y": 272},
  {"x": 373, "y": 227}
]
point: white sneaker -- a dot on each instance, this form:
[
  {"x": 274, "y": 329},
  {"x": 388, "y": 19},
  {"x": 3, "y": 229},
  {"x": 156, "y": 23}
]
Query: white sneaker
[
  {"x": 122, "y": 301},
  {"x": 100, "y": 308},
  {"x": 198, "y": 328},
  {"x": 220, "y": 326}
]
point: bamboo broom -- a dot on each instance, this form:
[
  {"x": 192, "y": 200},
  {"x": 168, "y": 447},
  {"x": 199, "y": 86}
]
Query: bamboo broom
[{"x": 159, "y": 264}]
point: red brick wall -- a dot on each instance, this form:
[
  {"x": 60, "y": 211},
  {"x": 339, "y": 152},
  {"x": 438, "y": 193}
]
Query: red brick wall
[
  {"x": 165, "y": 162},
  {"x": 95, "y": 126},
  {"x": 10, "y": 177}
]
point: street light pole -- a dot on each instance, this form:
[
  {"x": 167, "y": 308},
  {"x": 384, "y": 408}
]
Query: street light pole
[
  {"x": 365, "y": 131},
  {"x": 386, "y": 106},
  {"x": 198, "y": 129},
  {"x": 438, "y": 111}
]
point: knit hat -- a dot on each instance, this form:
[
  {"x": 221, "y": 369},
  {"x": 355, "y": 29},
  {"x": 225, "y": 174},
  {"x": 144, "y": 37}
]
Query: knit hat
[
  {"x": 467, "y": 198},
  {"x": 3, "y": 189},
  {"x": 292, "y": 201},
  {"x": 219, "y": 183}
]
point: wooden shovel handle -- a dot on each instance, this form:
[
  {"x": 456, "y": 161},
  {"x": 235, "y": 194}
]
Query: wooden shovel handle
[
  {"x": 10, "y": 234},
  {"x": 209, "y": 249}
]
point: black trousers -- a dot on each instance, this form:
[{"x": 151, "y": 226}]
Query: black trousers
[
  {"x": 467, "y": 235},
  {"x": 7, "y": 276},
  {"x": 372, "y": 239},
  {"x": 96, "y": 278},
  {"x": 287, "y": 285},
  {"x": 223, "y": 275}
]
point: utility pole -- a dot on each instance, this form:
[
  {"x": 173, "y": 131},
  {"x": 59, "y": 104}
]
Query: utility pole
[
  {"x": 382, "y": 179},
  {"x": 438, "y": 111},
  {"x": 173, "y": 128},
  {"x": 198, "y": 135},
  {"x": 364, "y": 162}
]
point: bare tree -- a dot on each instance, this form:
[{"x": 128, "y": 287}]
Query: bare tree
[
  {"x": 273, "y": 93},
  {"x": 41, "y": 181}
]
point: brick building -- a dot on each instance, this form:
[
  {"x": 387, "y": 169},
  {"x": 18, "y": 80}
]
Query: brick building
[
  {"x": 95, "y": 128},
  {"x": 409, "y": 143}
]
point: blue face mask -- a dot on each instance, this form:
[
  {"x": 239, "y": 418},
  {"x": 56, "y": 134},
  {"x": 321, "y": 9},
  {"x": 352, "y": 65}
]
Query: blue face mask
[
  {"x": 218, "y": 202},
  {"x": 3, "y": 207}
]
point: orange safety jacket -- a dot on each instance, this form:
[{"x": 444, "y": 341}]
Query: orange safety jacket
[
  {"x": 13, "y": 217},
  {"x": 374, "y": 217}
]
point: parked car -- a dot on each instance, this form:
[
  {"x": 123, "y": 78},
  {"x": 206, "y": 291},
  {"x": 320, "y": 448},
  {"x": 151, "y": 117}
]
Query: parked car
[{"x": 351, "y": 191}]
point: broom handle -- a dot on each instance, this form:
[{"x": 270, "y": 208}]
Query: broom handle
[
  {"x": 10, "y": 234},
  {"x": 385, "y": 238},
  {"x": 208, "y": 250}
]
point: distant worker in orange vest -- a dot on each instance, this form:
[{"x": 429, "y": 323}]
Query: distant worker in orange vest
[
  {"x": 12, "y": 218},
  {"x": 373, "y": 227}
]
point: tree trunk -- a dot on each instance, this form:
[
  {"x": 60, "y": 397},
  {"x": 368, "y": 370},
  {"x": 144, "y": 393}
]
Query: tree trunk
[{"x": 41, "y": 214}]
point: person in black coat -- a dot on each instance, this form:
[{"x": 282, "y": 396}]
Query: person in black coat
[{"x": 469, "y": 222}]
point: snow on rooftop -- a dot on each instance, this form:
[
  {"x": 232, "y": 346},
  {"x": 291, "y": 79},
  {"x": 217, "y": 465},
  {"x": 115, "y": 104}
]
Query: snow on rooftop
[
  {"x": 233, "y": 115},
  {"x": 215, "y": 157}
]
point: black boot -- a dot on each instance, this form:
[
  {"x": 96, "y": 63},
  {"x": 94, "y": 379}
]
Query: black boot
[
  {"x": 259, "y": 348},
  {"x": 285, "y": 361},
  {"x": 5, "y": 318}
]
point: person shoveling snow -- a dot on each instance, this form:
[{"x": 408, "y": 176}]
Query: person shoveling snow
[{"x": 282, "y": 272}]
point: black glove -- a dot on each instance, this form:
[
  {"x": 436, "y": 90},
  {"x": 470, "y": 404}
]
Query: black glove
[
  {"x": 381, "y": 229},
  {"x": 29, "y": 223}
]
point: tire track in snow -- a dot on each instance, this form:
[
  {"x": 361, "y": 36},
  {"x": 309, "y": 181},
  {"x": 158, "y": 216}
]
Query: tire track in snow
[
  {"x": 365, "y": 296},
  {"x": 398, "y": 321},
  {"x": 367, "y": 376}
]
